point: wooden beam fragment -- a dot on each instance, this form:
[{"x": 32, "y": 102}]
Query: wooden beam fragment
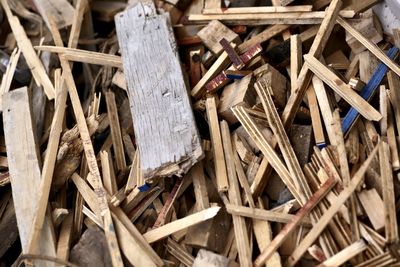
[
  {"x": 258, "y": 9},
  {"x": 159, "y": 84},
  {"x": 61, "y": 11}
]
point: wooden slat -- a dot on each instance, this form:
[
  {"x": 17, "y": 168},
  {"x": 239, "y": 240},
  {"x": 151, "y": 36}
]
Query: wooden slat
[
  {"x": 24, "y": 169},
  {"x": 84, "y": 56},
  {"x": 115, "y": 127},
  {"x": 342, "y": 88},
  {"x": 391, "y": 229},
  {"x": 295, "y": 60},
  {"x": 219, "y": 156},
  {"x": 297, "y": 18},
  {"x": 239, "y": 224},
  {"x": 60, "y": 11},
  {"x": 258, "y": 9}
]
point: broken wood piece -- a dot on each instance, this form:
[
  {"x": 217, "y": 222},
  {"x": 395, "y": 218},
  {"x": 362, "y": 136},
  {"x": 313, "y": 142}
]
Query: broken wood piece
[
  {"x": 374, "y": 208},
  {"x": 342, "y": 88},
  {"x": 18, "y": 124},
  {"x": 61, "y": 12},
  {"x": 219, "y": 156},
  {"x": 295, "y": 59},
  {"x": 369, "y": 45},
  {"x": 369, "y": 26},
  {"x": 240, "y": 92},
  {"x": 162, "y": 153},
  {"x": 315, "y": 118},
  {"x": 212, "y": 34},
  {"x": 345, "y": 254},
  {"x": 175, "y": 226},
  {"x": 233, "y": 56}
]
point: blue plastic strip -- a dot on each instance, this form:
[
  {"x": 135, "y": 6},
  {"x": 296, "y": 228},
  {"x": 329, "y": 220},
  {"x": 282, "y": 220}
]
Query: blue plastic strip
[
  {"x": 368, "y": 91},
  {"x": 144, "y": 188}
]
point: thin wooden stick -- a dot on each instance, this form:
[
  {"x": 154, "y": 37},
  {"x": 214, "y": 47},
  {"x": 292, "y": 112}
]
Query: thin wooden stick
[
  {"x": 327, "y": 216},
  {"x": 239, "y": 224},
  {"x": 291, "y": 226}
]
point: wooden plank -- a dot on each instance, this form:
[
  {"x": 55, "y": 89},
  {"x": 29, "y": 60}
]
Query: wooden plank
[
  {"x": 162, "y": 152},
  {"x": 390, "y": 218},
  {"x": 24, "y": 169},
  {"x": 394, "y": 84},
  {"x": 296, "y": 18},
  {"x": 175, "y": 226},
  {"x": 32, "y": 59},
  {"x": 84, "y": 56},
  {"x": 115, "y": 127},
  {"x": 374, "y": 208},
  {"x": 342, "y": 88},
  {"x": 61, "y": 12},
  {"x": 332, "y": 210},
  {"x": 110, "y": 184},
  {"x": 369, "y": 45},
  {"x": 291, "y": 226},
  {"x": 239, "y": 223},
  {"x": 219, "y": 156},
  {"x": 345, "y": 254},
  {"x": 305, "y": 74}
]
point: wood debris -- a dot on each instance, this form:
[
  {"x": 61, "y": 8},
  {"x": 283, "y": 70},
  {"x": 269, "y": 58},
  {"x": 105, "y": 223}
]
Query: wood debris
[{"x": 198, "y": 133}]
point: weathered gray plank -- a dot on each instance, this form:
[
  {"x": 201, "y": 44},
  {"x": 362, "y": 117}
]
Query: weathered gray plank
[
  {"x": 163, "y": 121},
  {"x": 24, "y": 168}
]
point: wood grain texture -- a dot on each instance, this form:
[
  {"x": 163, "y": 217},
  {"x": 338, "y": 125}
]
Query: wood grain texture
[
  {"x": 24, "y": 167},
  {"x": 163, "y": 121},
  {"x": 60, "y": 10}
]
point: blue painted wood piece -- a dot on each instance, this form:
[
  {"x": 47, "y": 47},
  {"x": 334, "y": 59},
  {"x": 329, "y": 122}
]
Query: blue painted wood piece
[{"x": 368, "y": 91}]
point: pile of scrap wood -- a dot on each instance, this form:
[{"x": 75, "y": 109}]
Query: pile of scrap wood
[{"x": 198, "y": 133}]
